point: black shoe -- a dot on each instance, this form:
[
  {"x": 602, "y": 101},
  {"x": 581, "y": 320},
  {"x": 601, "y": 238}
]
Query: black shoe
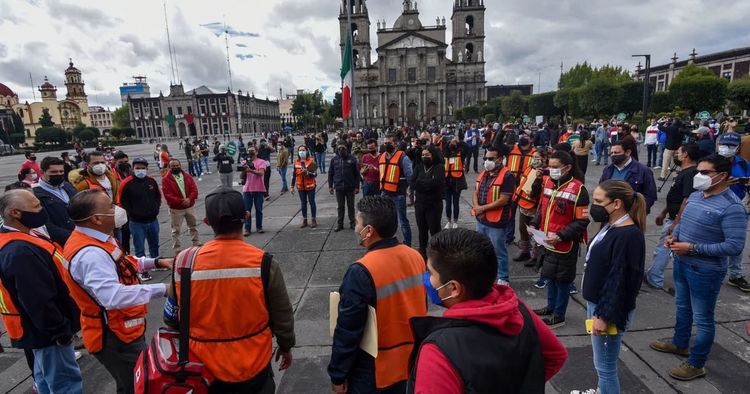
[
  {"x": 338, "y": 228},
  {"x": 351, "y": 225},
  {"x": 523, "y": 256},
  {"x": 543, "y": 311},
  {"x": 554, "y": 321},
  {"x": 740, "y": 283}
]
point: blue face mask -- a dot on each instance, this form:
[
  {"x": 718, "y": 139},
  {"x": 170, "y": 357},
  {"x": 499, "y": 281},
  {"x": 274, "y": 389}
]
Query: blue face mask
[
  {"x": 140, "y": 173},
  {"x": 432, "y": 292}
]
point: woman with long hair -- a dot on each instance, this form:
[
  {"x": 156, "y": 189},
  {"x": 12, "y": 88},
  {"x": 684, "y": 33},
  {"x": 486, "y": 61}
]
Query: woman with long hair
[
  {"x": 428, "y": 182},
  {"x": 613, "y": 274},
  {"x": 581, "y": 151}
]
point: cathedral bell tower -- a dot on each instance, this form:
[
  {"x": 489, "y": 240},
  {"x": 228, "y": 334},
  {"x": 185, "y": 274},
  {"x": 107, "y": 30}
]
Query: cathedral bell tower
[
  {"x": 468, "y": 31},
  {"x": 360, "y": 27},
  {"x": 74, "y": 84}
]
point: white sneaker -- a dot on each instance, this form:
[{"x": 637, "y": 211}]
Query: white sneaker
[
  {"x": 589, "y": 391},
  {"x": 502, "y": 282},
  {"x": 448, "y": 225},
  {"x": 657, "y": 167},
  {"x": 455, "y": 224},
  {"x": 200, "y": 179},
  {"x": 78, "y": 355}
]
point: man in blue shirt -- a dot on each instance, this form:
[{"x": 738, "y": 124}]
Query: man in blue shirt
[
  {"x": 625, "y": 168},
  {"x": 711, "y": 228},
  {"x": 473, "y": 139},
  {"x": 728, "y": 144},
  {"x": 601, "y": 143}
]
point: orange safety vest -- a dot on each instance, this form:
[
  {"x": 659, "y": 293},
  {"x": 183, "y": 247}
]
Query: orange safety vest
[
  {"x": 558, "y": 208},
  {"x": 494, "y": 215},
  {"x": 129, "y": 323},
  {"x": 390, "y": 172},
  {"x": 304, "y": 183},
  {"x": 8, "y": 310},
  {"x": 115, "y": 187},
  {"x": 524, "y": 199},
  {"x": 229, "y": 320},
  {"x": 454, "y": 166},
  {"x": 517, "y": 161},
  {"x": 397, "y": 274}
]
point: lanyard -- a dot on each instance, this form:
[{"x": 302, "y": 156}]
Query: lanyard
[{"x": 603, "y": 232}]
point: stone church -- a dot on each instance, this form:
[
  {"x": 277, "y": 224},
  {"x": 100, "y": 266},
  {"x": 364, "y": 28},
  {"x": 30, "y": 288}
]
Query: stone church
[{"x": 412, "y": 81}]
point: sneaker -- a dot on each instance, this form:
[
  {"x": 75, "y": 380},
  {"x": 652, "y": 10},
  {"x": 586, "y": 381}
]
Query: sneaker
[
  {"x": 573, "y": 289},
  {"x": 687, "y": 372},
  {"x": 740, "y": 283},
  {"x": 554, "y": 321},
  {"x": 657, "y": 167},
  {"x": 455, "y": 224},
  {"x": 660, "y": 179},
  {"x": 546, "y": 311},
  {"x": 589, "y": 391},
  {"x": 541, "y": 283},
  {"x": 448, "y": 225},
  {"x": 523, "y": 256},
  {"x": 200, "y": 179},
  {"x": 503, "y": 282},
  {"x": 78, "y": 355},
  {"x": 668, "y": 347},
  {"x": 145, "y": 277}
]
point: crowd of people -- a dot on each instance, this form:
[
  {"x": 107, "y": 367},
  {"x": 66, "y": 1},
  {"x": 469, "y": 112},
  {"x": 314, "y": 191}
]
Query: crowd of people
[{"x": 75, "y": 218}]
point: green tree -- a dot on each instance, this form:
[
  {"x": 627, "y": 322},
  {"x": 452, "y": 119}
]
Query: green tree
[
  {"x": 307, "y": 107},
  {"x": 470, "y": 113},
  {"x": 614, "y": 74},
  {"x": 46, "y": 119},
  {"x": 116, "y": 132},
  {"x": 128, "y": 132},
  {"x": 513, "y": 105},
  {"x": 543, "y": 104},
  {"x": 54, "y": 135},
  {"x": 699, "y": 93},
  {"x": 87, "y": 135},
  {"x": 632, "y": 97},
  {"x": 691, "y": 70},
  {"x": 599, "y": 97},
  {"x": 18, "y": 127},
  {"x": 576, "y": 77},
  {"x": 335, "y": 109},
  {"x": 738, "y": 92},
  {"x": 121, "y": 117},
  {"x": 17, "y": 138},
  {"x": 490, "y": 118}
]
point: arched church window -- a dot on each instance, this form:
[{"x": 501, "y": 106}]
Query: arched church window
[
  {"x": 355, "y": 57},
  {"x": 355, "y": 33},
  {"x": 469, "y": 52},
  {"x": 469, "y": 25}
]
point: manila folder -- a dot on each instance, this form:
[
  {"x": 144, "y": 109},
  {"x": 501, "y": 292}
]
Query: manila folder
[{"x": 370, "y": 337}]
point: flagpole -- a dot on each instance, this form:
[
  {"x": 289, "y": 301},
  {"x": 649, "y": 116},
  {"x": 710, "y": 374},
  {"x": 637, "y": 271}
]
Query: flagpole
[{"x": 353, "y": 115}]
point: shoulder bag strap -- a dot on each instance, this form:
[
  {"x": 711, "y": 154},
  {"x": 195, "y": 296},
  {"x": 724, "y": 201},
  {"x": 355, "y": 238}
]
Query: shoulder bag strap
[{"x": 185, "y": 262}]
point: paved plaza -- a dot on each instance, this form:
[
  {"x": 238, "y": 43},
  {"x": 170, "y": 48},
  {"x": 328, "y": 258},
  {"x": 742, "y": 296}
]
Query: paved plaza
[{"x": 314, "y": 261}]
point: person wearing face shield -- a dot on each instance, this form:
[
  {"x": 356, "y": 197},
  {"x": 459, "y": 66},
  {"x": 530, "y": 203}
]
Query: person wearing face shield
[
  {"x": 457, "y": 352},
  {"x": 711, "y": 228}
]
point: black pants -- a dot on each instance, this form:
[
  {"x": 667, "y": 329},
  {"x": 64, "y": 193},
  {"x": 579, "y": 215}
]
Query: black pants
[
  {"x": 261, "y": 384},
  {"x": 190, "y": 168},
  {"x": 583, "y": 163},
  {"x": 125, "y": 242},
  {"x": 267, "y": 179},
  {"x": 473, "y": 152},
  {"x": 348, "y": 198},
  {"x": 119, "y": 359},
  {"x": 428, "y": 222}
]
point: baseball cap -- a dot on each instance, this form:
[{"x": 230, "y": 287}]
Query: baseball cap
[
  {"x": 224, "y": 206},
  {"x": 732, "y": 139},
  {"x": 701, "y": 130},
  {"x": 140, "y": 160}
]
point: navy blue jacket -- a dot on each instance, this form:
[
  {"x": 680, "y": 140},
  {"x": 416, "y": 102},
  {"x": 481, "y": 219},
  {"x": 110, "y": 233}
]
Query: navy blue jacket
[
  {"x": 640, "y": 178},
  {"x": 357, "y": 293},
  {"x": 59, "y": 225},
  {"x": 343, "y": 173},
  {"x": 48, "y": 314}
]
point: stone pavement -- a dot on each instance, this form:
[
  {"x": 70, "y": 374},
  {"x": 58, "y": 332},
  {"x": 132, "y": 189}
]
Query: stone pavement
[{"x": 314, "y": 261}]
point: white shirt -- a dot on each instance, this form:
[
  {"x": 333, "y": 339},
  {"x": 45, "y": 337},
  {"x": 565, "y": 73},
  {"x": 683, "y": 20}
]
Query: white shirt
[
  {"x": 93, "y": 269},
  {"x": 106, "y": 184}
]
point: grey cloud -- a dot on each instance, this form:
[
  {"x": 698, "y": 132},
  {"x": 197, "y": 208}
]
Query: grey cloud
[
  {"x": 238, "y": 45},
  {"x": 244, "y": 56},
  {"x": 294, "y": 47},
  {"x": 218, "y": 29},
  {"x": 283, "y": 81},
  {"x": 329, "y": 57},
  {"x": 75, "y": 15},
  {"x": 3, "y": 50},
  {"x": 295, "y": 11}
]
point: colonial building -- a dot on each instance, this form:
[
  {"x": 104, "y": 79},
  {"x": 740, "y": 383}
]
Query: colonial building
[
  {"x": 412, "y": 80},
  {"x": 731, "y": 64},
  {"x": 101, "y": 118},
  {"x": 201, "y": 112},
  {"x": 7, "y": 100},
  {"x": 66, "y": 113}
]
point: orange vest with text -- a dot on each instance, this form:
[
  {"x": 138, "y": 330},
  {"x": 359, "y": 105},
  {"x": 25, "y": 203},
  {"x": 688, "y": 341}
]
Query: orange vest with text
[
  {"x": 495, "y": 215},
  {"x": 229, "y": 320},
  {"x": 454, "y": 167},
  {"x": 8, "y": 310},
  {"x": 397, "y": 274},
  {"x": 558, "y": 208},
  {"x": 129, "y": 323},
  {"x": 390, "y": 172},
  {"x": 518, "y": 161},
  {"x": 524, "y": 199},
  {"x": 304, "y": 183}
]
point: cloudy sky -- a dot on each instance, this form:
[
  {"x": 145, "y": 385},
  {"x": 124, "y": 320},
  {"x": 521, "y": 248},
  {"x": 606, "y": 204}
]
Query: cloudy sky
[{"x": 293, "y": 44}]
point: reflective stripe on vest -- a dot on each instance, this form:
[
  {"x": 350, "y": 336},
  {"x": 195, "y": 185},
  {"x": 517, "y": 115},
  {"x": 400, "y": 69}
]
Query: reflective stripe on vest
[
  {"x": 518, "y": 162},
  {"x": 303, "y": 182},
  {"x": 229, "y": 273},
  {"x": 128, "y": 323},
  {"x": 495, "y": 215},
  {"x": 552, "y": 219},
  {"x": 524, "y": 199},
  {"x": 397, "y": 275},
  {"x": 9, "y": 313},
  {"x": 390, "y": 172},
  {"x": 454, "y": 167}
]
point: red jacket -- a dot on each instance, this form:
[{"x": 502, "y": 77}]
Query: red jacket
[
  {"x": 435, "y": 374},
  {"x": 172, "y": 192}
]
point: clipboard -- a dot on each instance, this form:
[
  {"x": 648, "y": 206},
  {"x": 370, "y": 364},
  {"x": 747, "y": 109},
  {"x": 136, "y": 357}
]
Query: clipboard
[{"x": 370, "y": 337}]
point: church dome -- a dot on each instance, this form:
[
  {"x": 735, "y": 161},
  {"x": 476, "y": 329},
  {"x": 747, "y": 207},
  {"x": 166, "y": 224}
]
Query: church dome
[
  {"x": 6, "y": 92},
  {"x": 47, "y": 85},
  {"x": 71, "y": 68}
]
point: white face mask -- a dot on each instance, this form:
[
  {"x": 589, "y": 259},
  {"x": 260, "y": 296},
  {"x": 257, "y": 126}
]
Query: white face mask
[
  {"x": 727, "y": 151},
  {"x": 121, "y": 217},
  {"x": 99, "y": 169},
  {"x": 303, "y": 154},
  {"x": 489, "y": 165},
  {"x": 555, "y": 173},
  {"x": 702, "y": 182}
]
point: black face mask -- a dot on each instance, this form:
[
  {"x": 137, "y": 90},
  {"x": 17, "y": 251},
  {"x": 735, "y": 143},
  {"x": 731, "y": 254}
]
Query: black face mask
[
  {"x": 56, "y": 180},
  {"x": 599, "y": 213},
  {"x": 677, "y": 161},
  {"x": 343, "y": 153},
  {"x": 427, "y": 161},
  {"x": 177, "y": 171},
  {"x": 390, "y": 148},
  {"x": 373, "y": 151},
  {"x": 618, "y": 159},
  {"x": 123, "y": 167},
  {"x": 33, "y": 219}
]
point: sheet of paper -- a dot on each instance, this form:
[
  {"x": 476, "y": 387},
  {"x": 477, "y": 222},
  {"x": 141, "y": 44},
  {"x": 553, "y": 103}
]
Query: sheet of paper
[
  {"x": 369, "y": 341},
  {"x": 529, "y": 181},
  {"x": 539, "y": 236}
]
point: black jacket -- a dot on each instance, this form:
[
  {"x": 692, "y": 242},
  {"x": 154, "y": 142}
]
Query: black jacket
[
  {"x": 428, "y": 183},
  {"x": 343, "y": 173},
  {"x": 141, "y": 198},
  {"x": 224, "y": 163},
  {"x": 48, "y": 313},
  {"x": 59, "y": 225}
]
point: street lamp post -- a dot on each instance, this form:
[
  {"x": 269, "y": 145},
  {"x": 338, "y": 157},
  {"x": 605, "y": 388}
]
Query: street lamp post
[{"x": 646, "y": 77}]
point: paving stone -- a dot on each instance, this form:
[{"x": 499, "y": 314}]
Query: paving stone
[
  {"x": 296, "y": 267},
  {"x": 331, "y": 266}
]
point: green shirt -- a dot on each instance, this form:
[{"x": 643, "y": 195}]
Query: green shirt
[{"x": 180, "y": 183}]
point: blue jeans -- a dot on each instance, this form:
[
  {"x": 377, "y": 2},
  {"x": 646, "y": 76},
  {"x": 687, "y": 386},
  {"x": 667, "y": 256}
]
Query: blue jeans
[
  {"x": 606, "y": 353},
  {"x": 145, "y": 232},
  {"x": 370, "y": 189},
  {"x": 56, "y": 370},
  {"x": 696, "y": 291},
  {"x": 320, "y": 158},
  {"x": 197, "y": 168},
  {"x": 510, "y": 229},
  {"x": 282, "y": 174},
  {"x": 204, "y": 159},
  {"x": 655, "y": 273},
  {"x": 660, "y": 160},
  {"x": 497, "y": 237},
  {"x": 254, "y": 199},
  {"x": 735, "y": 266},
  {"x": 403, "y": 220},
  {"x": 558, "y": 294},
  {"x": 306, "y": 197},
  {"x": 452, "y": 202},
  {"x": 652, "y": 155},
  {"x": 602, "y": 151}
]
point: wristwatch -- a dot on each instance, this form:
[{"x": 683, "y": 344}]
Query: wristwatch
[{"x": 691, "y": 249}]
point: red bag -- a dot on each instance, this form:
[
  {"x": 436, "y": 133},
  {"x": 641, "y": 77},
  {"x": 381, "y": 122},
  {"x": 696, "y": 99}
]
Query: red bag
[{"x": 167, "y": 366}]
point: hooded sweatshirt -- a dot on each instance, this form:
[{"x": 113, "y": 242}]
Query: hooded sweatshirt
[{"x": 499, "y": 309}]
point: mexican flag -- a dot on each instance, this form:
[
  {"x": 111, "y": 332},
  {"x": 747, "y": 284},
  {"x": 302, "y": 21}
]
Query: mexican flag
[{"x": 346, "y": 76}]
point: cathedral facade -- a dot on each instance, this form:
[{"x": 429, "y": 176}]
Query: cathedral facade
[{"x": 412, "y": 81}]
